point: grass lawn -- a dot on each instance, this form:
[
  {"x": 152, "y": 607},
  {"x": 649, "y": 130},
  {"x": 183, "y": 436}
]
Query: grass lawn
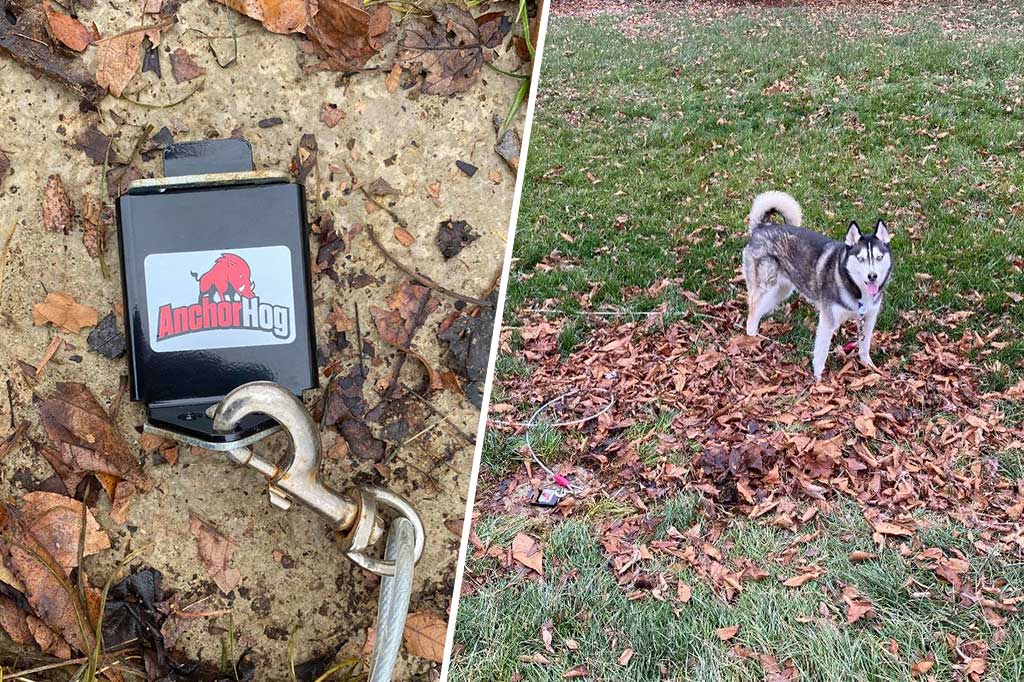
[{"x": 653, "y": 132}]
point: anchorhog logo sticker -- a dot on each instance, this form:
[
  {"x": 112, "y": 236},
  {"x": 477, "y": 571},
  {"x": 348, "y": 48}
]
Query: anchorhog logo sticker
[{"x": 222, "y": 307}]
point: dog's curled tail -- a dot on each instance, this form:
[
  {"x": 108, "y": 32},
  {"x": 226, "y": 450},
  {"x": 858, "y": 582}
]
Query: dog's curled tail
[{"x": 767, "y": 203}]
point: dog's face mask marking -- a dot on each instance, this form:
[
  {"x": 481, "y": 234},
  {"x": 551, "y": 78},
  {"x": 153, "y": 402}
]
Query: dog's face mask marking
[{"x": 868, "y": 259}]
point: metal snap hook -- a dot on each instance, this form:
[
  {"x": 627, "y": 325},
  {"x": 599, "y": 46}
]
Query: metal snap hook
[{"x": 298, "y": 476}]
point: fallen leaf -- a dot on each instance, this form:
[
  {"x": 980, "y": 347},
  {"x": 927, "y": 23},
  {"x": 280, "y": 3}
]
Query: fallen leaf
[
  {"x": 408, "y": 308},
  {"x": 445, "y": 50},
  {"x": 184, "y": 67},
  {"x": 62, "y": 310},
  {"x": 509, "y": 148},
  {"x": 858, "y": 609},
  {"x": 360, "y": 439},
  {"x": 453, "y": 236},
  {"x": 55, "y": 522},
  {"x": 403, "y": 236},
  {"x": 468, "y": 342},
  {"x": 727, "y": 633},
  {"x": 393, "y": 78},
  {"x": 340, "y": 321},
  {"x": 13, "y": 620},
  {"x": 857, "y": 556},
  {"x": 342, "y": 32},
  {"x": 118, "y": 59},
  {"x": 921, "y": 667},
  {"x": 108, "y": 338},
  {"x": 887, "y": 528},
  {"x": 683, "y": 592},
  {"x": 800, "y": 580},
  {"x": 865, "y": 425},
  {"x": 528, "y": 552},
  {"x": 94, "y": 226},
  {"x": 86, "y": 441},
  {"x": 67, "y": 30},
  {"x": 305, "y": 159},
  {"x": 215, "y": 551},
  {"x": 424, "y": 635},
  {"x": 547, "y": 630},
  {"x": 493, "y": 26},
  {"x": 60, "y": 613},
  {"x": 381, "y": 188},
  {"x": 331, "y": 114},
  {"x": 625, "y": 657},
  {"x": 277, "y": 16},
  {"x": 578, "y": 671},
  {"x": 57, "y": 208}
]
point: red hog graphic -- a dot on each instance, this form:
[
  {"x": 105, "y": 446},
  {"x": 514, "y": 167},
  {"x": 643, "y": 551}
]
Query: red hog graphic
[{"x": 229, "y": 275}]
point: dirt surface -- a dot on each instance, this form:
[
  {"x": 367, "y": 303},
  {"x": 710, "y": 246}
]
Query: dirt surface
[{"x": 294, "y": 577}]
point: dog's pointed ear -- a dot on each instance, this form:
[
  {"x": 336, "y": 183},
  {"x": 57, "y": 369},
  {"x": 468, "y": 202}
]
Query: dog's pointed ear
[
  {"x": 882, "y": 232},
  {"x": 853, "y": 233}
]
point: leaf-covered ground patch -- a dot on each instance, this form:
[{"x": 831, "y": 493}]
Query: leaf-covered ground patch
[{"x": 737, "y": 521}]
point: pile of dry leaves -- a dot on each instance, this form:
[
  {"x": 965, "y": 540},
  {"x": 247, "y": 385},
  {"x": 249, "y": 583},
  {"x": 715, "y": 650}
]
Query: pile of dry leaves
[
  {"x": 441, "y": 53},
  {"x": 756, "y": 437}
]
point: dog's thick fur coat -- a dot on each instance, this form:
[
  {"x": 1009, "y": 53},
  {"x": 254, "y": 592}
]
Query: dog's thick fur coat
[{"x": 841, "y": 279}]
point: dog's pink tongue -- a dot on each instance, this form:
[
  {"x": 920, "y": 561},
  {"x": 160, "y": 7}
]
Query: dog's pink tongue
[{"x": 872, "y": 288}]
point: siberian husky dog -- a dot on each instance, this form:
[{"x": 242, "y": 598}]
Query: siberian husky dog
[{"x": 843, "y": 280}]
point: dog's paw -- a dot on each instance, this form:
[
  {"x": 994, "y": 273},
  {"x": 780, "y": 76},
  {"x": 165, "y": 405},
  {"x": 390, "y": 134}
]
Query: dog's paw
[{"x": 868, "y": 362}]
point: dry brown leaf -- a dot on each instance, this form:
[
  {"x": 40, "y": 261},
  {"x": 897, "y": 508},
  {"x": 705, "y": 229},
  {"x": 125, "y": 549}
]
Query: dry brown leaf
[
  {"x": 528, "y": 552},
  {"x": 57, "y": 607},
  {"x": 625, "y": 657},
  {"x": 331, "y": 114},
  {"x": 921, "y": 667},
  {"x": 215, "y": 551},
  {"x": 857, "y": 556},
  {"x": 340, "y": 321},
  {"x": 13, "y": 621},
  {"x": 184, "y": 67},
  {"x": 573, "y": 673},
  {"x": 408, "y": 308},
  {"x": 887, "y": 528},
  {"x": 727, "y": 633},
  {"x": 342, "y": 32},
  {"x": 424, "y": 635},
  {"x": 393, "y": 78},
  {"x": 94, "y": 226},
  {"x": 57, "y": 208},
  {"x": 277, "y": 16},
  {"x": 118, "y": 59},
  {"x": 67, "y": 30},
  {"x": 547, "y": 631},
  {"x": 445, "y": 50},
  {"x": 86, "y": 441},
  {"x": 866, "y": 426},
  {"x": 55, "y": 523},
  {"x": 403, "y": 236},
  {"x": 62, "y": 310},
  {"x": 683, "y": 592},
  {"x": 800, "y": 580},
  {"x": 31, "y": 44}
]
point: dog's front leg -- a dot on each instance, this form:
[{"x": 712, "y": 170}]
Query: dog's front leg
[
  {"x": 866, "y": 330},
  {"x": 822, "y": 342}
]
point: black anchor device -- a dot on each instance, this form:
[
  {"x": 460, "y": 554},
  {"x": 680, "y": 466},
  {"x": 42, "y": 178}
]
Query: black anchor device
[{"x": 217, "y": 292}]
